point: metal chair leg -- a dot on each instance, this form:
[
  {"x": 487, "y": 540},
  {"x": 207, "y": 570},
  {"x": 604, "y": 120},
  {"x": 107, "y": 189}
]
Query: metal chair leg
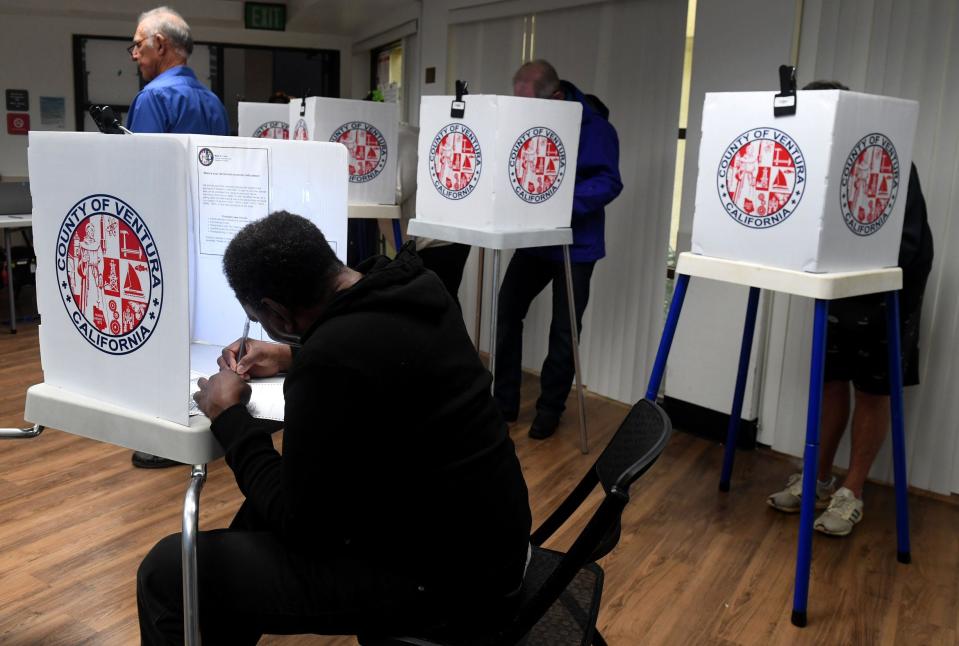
[
  {"x": 745, "y": 350},
  {"x": 191, "y": 516},
  {"x": 810, "y": 464},
  {"x": 20, "y": 433},
  {"x": 574, "y": 332},
  {"x": 493, "y": 313},
  {"x": 898, "y": 427}
]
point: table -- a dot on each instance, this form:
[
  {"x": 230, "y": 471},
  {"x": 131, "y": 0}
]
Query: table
[
  {"x": 497, "y": 240},
  {"x": 823, "y": 288},
  {"x": 8, "y": 223}
]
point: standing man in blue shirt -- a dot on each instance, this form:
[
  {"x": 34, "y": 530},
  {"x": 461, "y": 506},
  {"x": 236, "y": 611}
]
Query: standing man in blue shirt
[
  {"x": 531, "y": 270},
  {"x": 173, "y": 99}
]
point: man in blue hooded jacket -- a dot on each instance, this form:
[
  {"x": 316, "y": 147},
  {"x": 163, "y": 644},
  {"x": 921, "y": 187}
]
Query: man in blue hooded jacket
[{"x": 531, "y": 270}]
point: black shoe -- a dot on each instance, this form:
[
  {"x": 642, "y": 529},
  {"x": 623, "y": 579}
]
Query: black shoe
[
  {"x": 143, "y": 460},
  {"x": 543, "y": 426}
]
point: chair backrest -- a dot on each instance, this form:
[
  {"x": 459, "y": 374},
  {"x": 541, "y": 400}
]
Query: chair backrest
[
  {"x": 555, "y": 581},
  {"x": 635, "y": 446}
]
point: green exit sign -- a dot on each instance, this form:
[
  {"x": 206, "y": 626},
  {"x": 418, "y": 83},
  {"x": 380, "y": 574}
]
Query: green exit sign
[{"x": 263, "y": 15}]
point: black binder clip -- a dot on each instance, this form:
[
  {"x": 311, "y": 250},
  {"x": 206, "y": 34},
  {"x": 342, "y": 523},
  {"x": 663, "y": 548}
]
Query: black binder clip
[
  {"x": 784, "y": 104},
  {"x": 303, "y": 102},
  {"x": 458, "y": 106}
]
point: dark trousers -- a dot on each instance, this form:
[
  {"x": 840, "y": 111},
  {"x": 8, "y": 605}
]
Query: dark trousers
[
  {"x": 447, "y": 261},
  {"x": 526, "y": 277},
  {"x": 251, "y": 584}
]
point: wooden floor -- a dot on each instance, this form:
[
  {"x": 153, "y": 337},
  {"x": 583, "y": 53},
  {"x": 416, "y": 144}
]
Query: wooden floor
[{"x": 694, "y": 566}]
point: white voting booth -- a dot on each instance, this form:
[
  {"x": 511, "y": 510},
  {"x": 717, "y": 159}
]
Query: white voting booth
[
  {"x": 129, "y": 234},
  {"x": 368, "y": 131},
  {"x": 509, "y": 164},
  {"x": 499, "y": 175},
  {"x": 810, "y": 204},
  {"x": 263, "y": 120},
  {"x": 817, "y": 192}
]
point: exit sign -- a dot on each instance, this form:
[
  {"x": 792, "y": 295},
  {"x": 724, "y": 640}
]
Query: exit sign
[{"x": 262, "y": 15}]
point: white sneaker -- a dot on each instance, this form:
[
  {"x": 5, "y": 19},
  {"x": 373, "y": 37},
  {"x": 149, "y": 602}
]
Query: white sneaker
[
  {"x": 845, "y": 510},
  {"x": 789, "y": 499}
]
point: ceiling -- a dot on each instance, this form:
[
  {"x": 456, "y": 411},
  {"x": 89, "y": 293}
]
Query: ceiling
[
  {"x": 342, "y": 17},
  {"x": 345, "y": 18}
]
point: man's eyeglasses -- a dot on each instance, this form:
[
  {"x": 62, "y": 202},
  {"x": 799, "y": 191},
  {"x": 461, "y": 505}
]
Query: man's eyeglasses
[{"x": 136, "y": 45}]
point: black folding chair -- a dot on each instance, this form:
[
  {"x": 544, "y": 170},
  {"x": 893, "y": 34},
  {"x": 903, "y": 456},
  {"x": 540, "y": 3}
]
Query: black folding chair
[{"x": 561, "y": 594}]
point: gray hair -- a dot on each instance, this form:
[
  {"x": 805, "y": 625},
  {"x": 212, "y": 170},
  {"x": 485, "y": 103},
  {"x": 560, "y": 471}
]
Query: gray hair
[
  {"x": 171, "y": 25},
  {"x": 546, "y": 81}
]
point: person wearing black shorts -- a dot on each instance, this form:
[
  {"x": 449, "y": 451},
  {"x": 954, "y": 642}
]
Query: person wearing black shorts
[{"x": 856, "y": 354}]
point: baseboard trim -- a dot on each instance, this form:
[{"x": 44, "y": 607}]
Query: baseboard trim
[{"x": 707, "y": 423}]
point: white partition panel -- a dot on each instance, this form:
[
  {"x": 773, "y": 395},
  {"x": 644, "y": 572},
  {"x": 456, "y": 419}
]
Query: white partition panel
[{"x": 110, "y": 228}]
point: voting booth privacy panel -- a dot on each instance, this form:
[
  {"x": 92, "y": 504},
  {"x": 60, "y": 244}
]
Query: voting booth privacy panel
[
  {"x": 507, "y": 164},
  {"x": 822, "y": 190},
  {"x": 263, "y": 120},
  {"x": 129, "y": 235},
  {"x": 368, "y": 130}
]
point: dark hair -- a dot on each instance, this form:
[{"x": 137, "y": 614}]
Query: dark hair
[
  {"x": 824, "y": 85},
  {"x": 284, "y": 257}
]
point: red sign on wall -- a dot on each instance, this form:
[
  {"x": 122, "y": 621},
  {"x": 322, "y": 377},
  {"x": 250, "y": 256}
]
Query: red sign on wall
[{"x": 18, "y": 123}]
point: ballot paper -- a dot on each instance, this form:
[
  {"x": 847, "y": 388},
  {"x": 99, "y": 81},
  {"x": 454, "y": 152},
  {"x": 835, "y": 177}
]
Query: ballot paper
[{"x": 266, "y": 399}]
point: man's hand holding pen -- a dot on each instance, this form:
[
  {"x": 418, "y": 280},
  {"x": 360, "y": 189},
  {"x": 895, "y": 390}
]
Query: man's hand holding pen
[{"x": 259, "y": 359}]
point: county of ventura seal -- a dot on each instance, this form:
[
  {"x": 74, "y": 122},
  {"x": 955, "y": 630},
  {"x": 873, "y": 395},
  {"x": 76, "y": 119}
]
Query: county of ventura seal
[
  {"x": 300, "y": 132},
  {"x": 205, "y": 156},
  {"x": 761, "y": 178},
  {"x": 537, "y": 165},
  {"x": 367, "y": 149},
  {"x": 273, "y": 130},
  {"x": 869, "y": 184},
  {"x": 456, "y": 161},
  {"x": 109, "y": 274}
]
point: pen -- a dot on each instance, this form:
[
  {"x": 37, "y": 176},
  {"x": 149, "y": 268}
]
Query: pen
[{"x": 242, "y": 349}]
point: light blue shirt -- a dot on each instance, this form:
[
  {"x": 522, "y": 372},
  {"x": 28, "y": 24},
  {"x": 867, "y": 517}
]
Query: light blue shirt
[{"x": 175, "y": 101}]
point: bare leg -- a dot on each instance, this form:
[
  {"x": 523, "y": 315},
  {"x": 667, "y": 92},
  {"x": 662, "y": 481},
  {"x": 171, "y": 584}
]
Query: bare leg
[
  {"x": 870, "y": 425},
  {"x": 835, "y": 415}
]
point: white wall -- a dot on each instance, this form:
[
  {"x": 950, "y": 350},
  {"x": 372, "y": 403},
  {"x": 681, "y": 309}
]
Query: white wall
[{"x": 37, "y": 54}]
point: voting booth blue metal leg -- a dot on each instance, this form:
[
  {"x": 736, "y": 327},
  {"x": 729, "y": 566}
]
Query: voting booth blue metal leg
[
  {"x": 732, "y": 432},
  {"x": 898, "y": 427},
  {"x": 810, "y": 464},
  {"x": 191, "y": 517},
  {"x": 20, "y": 433},
  {"x": 666, "y": 341},
  {"x": 397, "y": 235},
  {"x": 584, "y": 437}
]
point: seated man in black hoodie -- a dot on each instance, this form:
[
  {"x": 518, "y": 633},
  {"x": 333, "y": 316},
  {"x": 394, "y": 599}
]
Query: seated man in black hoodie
[{"x": 398, "y": 502}]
